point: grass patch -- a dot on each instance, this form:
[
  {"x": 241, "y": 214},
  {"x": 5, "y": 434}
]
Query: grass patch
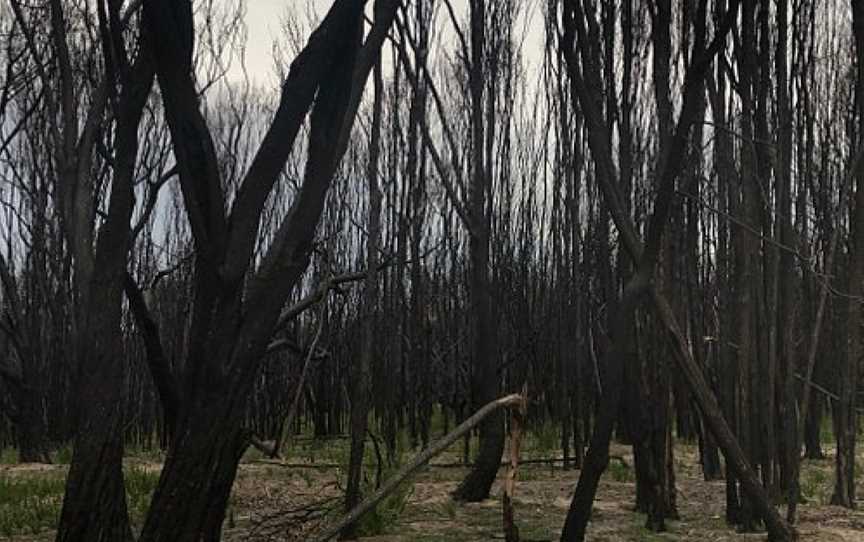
[
  {"x": 149, "y": 455},
  {"x": 29, "y": 505},
  {"x": 620, "y": 471},
  {"x": 140, "y": 485},
  {"x": 379, "y": 519},
  {"x": 545, "y": 439},
  {"x": 252, "y": 454},
  {"x": 8, "y": 456},
  {"x": 63, "y": 455},
  {"x": 815, "y": 484},
  {"x": 638, "y": 532}
]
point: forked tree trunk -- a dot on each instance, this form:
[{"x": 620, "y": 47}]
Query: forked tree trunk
[
  {"x": 94, "y": 504},
  {"x": 237, "y": 307}
]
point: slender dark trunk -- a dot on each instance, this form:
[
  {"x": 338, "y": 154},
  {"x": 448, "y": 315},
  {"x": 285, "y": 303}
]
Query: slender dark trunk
[
  {"x": 813, "y": 429},
  {"x": 622, "y": 353},
  {"x": 846, "y": 423},
  {"x": 361, "y": 380},
  {"x": 485, "y": 378}
]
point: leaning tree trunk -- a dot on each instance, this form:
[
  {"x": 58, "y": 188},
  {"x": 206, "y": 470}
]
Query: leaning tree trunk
[{"x": 574, "y": 21}]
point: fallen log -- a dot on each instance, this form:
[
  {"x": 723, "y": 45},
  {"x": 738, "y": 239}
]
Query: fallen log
[{"x": 418, "y": 461}]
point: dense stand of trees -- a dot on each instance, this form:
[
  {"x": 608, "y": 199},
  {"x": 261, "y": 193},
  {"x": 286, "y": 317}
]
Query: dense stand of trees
[{"x": 651, "y": 213}]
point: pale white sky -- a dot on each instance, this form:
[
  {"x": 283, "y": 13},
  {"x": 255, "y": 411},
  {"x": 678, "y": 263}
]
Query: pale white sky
[
  {"x": 263, "y": 24},
  {"x": 265, "y": 17}
]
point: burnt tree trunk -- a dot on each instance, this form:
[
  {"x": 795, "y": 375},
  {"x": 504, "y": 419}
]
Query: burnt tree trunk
[
  {"x": 237, "y": 305},
  {"x": 361, "y": 381},
  {"x": 846, "y": 426},
  {"x": 622, "y": 353},
  {"x": 94, "y": 504},
  {"x": 484, "y": 380}
]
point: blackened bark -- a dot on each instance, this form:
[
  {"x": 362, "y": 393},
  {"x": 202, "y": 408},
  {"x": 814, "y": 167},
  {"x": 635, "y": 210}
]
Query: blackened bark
[
  {"x": 745, "y": 206},
  {"x": 622, "y": 353},
  {"x": 234, "y": 315},
  {"x": 726, "y": 361},
  {"x": 786, "y": 315},
  {"x": 190, "y": 501},
  {"x": 157, "y": 360},
  {"x": 21, "y": 380},
  {"x": 845, "y": 416},
  {"x": 485, "y": 379},
  {"x": 28, "y": 422},
  {"x": 94, "y": 504},
  {"x": 191, "y": 498},
  {"x": 813, "y": 429},
  {"x": 361, "y": 381},
  {"x": 647, "y": 255}
]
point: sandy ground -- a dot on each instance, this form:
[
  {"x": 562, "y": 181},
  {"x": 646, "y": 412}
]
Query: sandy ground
[
  {"x": 542, "y": 498},
  {"x": 275, "y": 502}
]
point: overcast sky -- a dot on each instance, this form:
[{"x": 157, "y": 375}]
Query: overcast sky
[
  {"x": 263, "y": 23},
  {"x": 264, "y": 19}
]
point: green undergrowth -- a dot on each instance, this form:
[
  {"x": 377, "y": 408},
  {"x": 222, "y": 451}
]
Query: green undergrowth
[
  {"x": 815, "y": 484},
  {"x": 30, "y": 502},
  {"x": 63, "y": 455},
  {"x": 383, "y": 517},
  {"x": 8, "y": 456},
  {"x": 140, "y": 485},
  {"x": 638, "y": 532},
  {"x": 620, "y": 471}
]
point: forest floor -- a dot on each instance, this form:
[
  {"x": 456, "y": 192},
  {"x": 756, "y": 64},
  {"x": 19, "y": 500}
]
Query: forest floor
[{"x": 269, "y": 494}]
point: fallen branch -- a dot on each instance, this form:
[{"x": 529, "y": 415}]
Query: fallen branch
[
  {"x": 271, "y": 525},
  {"x": 419, "y": 460}
]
